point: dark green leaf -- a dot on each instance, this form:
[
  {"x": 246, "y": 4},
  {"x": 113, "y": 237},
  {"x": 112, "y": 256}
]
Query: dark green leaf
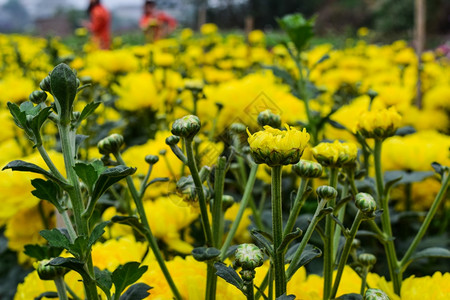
[
  {"x": 87, "y": 173},
  {"x": 352, "y": 296},
  {"x": 262, "y": 241},
  {"x": 285, "y": 297},
  {"x": 283, "y": 74},
  {"x": 127, "y": 274},
  {"x": 437, "y": 167},
  {"x": 205, "y": 254},
  {"x": 23, "y": 166},
  {"x": 88, "y": 110},
  {"x": 109, "y": 177},
  {"x": 63, "y": 83},
  {"x": 47, "y": 190},
  {"x": 406, "y": 177},
  {"x": 137, "y": 291},
  {"x": 41, "y": 252},
  {"x": 402, "y": 131},
  {"x": 70, "y": 263},
  {"x": 308, "y": 254},
  {"x": 83, "y": 87},
  {"x": 299, "y": 29},
  {"x": 130, "y": 221},
  {"x": 336, "y": 124},
  {"x": 289, "y": 238},
  {"x": 97, "y": 233},
  {"x": 79, "y": 139},
  {"x": 20, "y": 117},
  {"x": 79, "y": 248},
  {"x": 431, "y": 252},
  {"x": 37, "y": 122},
  {"x": 49, "y": 295},
  {"x": 29, "y": 108},
  {"x": 229, "y": 275},
  {"x": 104, "y": 281},
  {"x": 55, "y": 238}
]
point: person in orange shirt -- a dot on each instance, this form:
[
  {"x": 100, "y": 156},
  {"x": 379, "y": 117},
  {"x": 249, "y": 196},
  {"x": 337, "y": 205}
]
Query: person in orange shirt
[
  {"x": 156, "y": 24},
  {"x": 99, "y": 25}
]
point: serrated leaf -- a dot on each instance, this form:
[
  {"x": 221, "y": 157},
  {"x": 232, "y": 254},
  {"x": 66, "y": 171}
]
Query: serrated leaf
[
  {"x": 97, "y": 233},
  {"x": 130, "y": 221},
  {"x": 104, "y": 281},
  {"x": 229, "y": 275},
  {"x": 109, "y": 177},
  {"x": 289, "y": 238},
  {"x": 205, "y": 254},
  {"x": 47, "y": 190},
  {"x": 28, "y": 108},
  {"x": 79, "y": 248},
  {"x": 137, "y": 291},
  {"x": 352, "y": 296},
  {"x": 263, "y": 241},
  {"x": 55, "y": 238},
  {"x": 88, "y": 110},
  {"x": 23, "y": 166},
  {"x": 63, "y": 84},
  {"x": 127, "y": 274},
  {"x": 87, "y": 173},
  {"x": 41, "y": 252},
  {"x": 37, "y": 122},
  {"x": 20, "y": 117},
  {"x": 70, "y": 263},
  {"x": 309, "y": 253}
]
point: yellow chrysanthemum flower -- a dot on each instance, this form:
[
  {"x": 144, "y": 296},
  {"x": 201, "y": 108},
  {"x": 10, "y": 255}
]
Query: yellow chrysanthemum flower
[
  {"x": 335, "y": 154},
  {"x": 276, "y": 147},
  {"x": 379, "y": 124}
]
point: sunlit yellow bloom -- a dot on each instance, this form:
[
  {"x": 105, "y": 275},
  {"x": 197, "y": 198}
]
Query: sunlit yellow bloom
[
  {"x": 363, "y": 31},
  {"x": 164, "y": 60},
  {"x": 335, "y": 154},
  {"x": 256, "y": 37},
  {"x": 208, "y": 28},
  {"x": 278, "y": 147},
  {"x": 379, "y": 124}
]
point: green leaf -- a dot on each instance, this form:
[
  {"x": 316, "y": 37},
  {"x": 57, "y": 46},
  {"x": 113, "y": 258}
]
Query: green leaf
[
  {"x": 406, "y": 177},
  {"x": 352, "y": 296},
  {"x": 103, "y": 281},
  {"x": 23, "y": 166},
  {"x": 127, "y": 274},
  {"x": 41, "y": 252},
  {"x": 289, "y": 238},
  {"x": 437, "y": 167},
  {"x": 70, "y": 263},
  {"x": 47, "y": 190},
  {"x": 205, "y": 254},
  {"x": 109, "y": 177},
  {"x": 63, "y": 84},
  {"x": 309, "y": 253},
  {"x": 285, "y": 297},
  {"x": 79, "y": 139},
  {"x": 263, "y": 240},
  {"x": 47, "y": 295},
  {"x": 87, "y": 173},
  {"x": 299, "y": 29},
  {"x": 97, "y": 233},
  {"x": 55, "y": 238},
  {"x": 137, "y": 291},
  {"x": 336, "y": 124},
  {"x": 283, "y": 74},
  {"x": 79, "y": 248},
  {"x": 431, "y": 252},
  {"x": 229, "y": 275},
  {"x": 130, "y": 221},
  {"x": 37, "y": 122},
  {"x": 88, "y": 110},
  {"x": 20, "y": 118}
]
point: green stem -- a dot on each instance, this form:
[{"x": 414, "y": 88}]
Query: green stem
[
  {"x": 364, "y": 281},
  {"x": 249, "y": 292},
  {"x": 298, "y": 253},
  {"x": 61, "y": 288},
  {"x": 240, "y": 213},
  {"x": 69, "y": 226},
  {"x": 341, "y": 214},
  {"x": 148, "y": 232},
  {"x": 217, "y": 217},
  {"x": 328, "y": 259},
  {"x": 277, "y": 232},
  {"x": 50, "y": 163},
  {"x": 145, "y": 180},
  {"x": 211, "y": 281},
  {"x": 426, "y": 223},
  {"x": 201, "y": 196},
  {"x": 347, "y": 247},
  {"x": 393, "y": 264},
  {"x": 298, "y": 204}
]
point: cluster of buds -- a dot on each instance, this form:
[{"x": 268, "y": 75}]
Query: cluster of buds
[
  {"x": 248, "y": 257},
  {"x": 335, "y": 154},
  {"x": 307, "y": 169},
  {"x": 379, "y": 124},
  {"x": 276, "y": 147}
]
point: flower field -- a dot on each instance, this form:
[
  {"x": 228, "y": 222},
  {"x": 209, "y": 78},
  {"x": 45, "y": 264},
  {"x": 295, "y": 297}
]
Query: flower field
[{"x": 214, "y": 167}]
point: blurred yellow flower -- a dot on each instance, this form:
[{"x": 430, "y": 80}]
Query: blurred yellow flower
[{"x": 335, "y": 154}]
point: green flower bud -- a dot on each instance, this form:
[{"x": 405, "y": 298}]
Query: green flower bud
[
  {"x": 238, "y": 128},
  {"x": 268, "y": 118},
  {"x": 365, "y": 203},
  {"x": 227, "y": 202},
  {"x": 37, "y": 97},
  {"x": 110, "y": 144},
  {"x": 372, "y": 94},
  {"x": 356, "y": 244},
  {"x": 247, "y": 275},
  {"x": 162, "y": 152},
  {"x": 307, "y": 169},
  {"x": 367, "y": 259},
  {"x": 45, "y": 84},
  {"x": 151, "y": 159},
  {"x": 186, "y": 127},
  {"x": 375, "y": 294},
  {"x": 186, "y": 189},
  {"x": 172, "y": 140},
  {"x": 48, "y": 272},
  {"x": 248, "y": 256},
  {"x": 63, "y": 83},
  {"x": 326, "y": 192}
]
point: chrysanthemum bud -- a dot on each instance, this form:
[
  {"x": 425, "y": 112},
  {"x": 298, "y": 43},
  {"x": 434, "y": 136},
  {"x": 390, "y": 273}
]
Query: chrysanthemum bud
[
  {"x": 110, "y": 144},
  {"x": 186, "y": 189},
  {"x": 326, "y": 192},
  {"x": 372, "y": 94},
  {"x": 379, "y": 124},
  {"x": 335, "y": 154},
  {"x": 172, "y": 140},
  {"x": 227, "y": 202},
  {"x": 247, "y": 275},
  {"x": 375, "y": 294},
  {"x": 276, "y": 147},
  {"x": 48, "y": 272},
  {"x": 248, "y": 256},
  {"x": 186, "y": 127},
  {"x": 365, "y": 203},
  {"x": 367, "y": 259},
  {"x": 238, "y": 128},
  {"x": 37, "y": 97},
  {"x": 151, "y": 159},
  {"x": 45, "y": 84},
  {"x": 307, "y": 169},
  {"x": 268, "y": 118}
]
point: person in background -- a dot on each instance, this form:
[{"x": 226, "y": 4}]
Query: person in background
[
  {"x": 99, "y": 24},
  {"x": 156, "y": 24}
]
